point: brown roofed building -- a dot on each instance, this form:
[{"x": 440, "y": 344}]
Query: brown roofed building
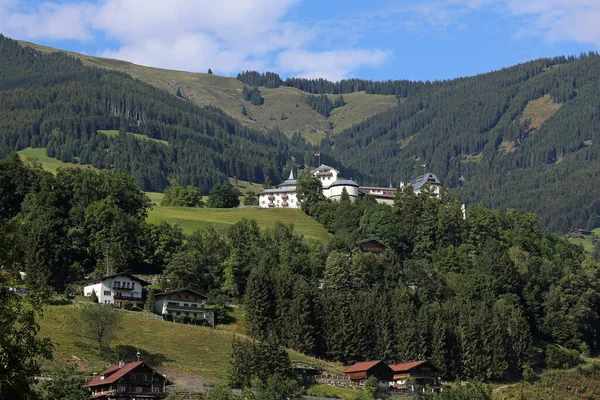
[
  {"x": 131, "y": 381},
  {"x": 372, "y": 245},
  {"x": 416, "y": 375},
  {"x": 361, "y": 371}
]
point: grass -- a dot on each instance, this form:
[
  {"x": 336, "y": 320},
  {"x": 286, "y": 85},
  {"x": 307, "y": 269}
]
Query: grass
[
  {"x": 284, "y": 107},
  {"x": 34, "y": 156},
  {"x": 332, "y": 392},
  {"x": 113, "y": 133},
  {"x": 191, "y": 219},
  {"x": 585, "y": 241},
  {"x": 155, "y": 197},
  {"x": 179, "y": 350},
  {"x": 539, "y": 110},
  {"x": 244, "y": 186}
]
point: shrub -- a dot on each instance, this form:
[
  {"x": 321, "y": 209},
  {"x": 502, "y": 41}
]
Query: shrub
[
  {"x": 136, "y": 308},
  {"x": 128, "y": 305},
  {"x": 559, "y": 358},
  {"x": 180, "y": 319}
]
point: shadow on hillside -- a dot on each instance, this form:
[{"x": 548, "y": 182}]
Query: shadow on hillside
[{"x": 128, "y": 353}]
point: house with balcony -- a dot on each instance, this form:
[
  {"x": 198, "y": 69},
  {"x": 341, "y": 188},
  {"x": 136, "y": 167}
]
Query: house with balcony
[
  {"x": 117, "y": 289},
  {"x": 361, "y": 371},
  {"x": 135, "y": 380},
  {"x": 184, "y": 303}
]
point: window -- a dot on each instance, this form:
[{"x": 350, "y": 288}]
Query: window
[
  {"x": 107, "y": 292},
  {"x": 156, "y": 389},
  {"x": 133, "y": 377},
  {"x": 194, "y": 305},
  {"x": 185, "y": 304},
  {"x": 138, "y": 389},
  {"x": 122, "y": 388},
  {"x": 146, "y": 377},
  {"x": 187, "y": 314},
  {"x": 132, "y": 285}
]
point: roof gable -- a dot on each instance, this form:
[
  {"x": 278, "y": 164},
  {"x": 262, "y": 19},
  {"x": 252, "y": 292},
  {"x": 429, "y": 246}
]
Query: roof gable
[
  {"x": 362, "y": 366},
  {"x": 115, "y": 372},
  {"x": 169, "y": 292},
  {"x": 130, "y": 276},
  {"x": 405, "y": 367}
]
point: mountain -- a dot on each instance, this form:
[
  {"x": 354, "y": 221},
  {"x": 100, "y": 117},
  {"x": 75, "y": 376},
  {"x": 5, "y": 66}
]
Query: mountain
[
  {"x": 284, "y": 108},
  {"x": 523, "y": 137},
  {"x": 90, "y": 115}
]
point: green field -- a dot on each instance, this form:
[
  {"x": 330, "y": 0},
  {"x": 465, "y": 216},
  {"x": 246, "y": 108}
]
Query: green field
[
  {"x": 284, "y": 107},
  {"x": 585, "y": 241},
  {"x": 177, "y": 349},
  {"x": 191, "y": 219},
  {"x": 48, "y": 163},
  {"x": 113, "y": 133}
]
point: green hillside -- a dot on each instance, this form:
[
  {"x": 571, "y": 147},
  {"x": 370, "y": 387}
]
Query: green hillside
[
  {"x": 191, "y": 219},
  {"x": 179, "y": 350},
  {"x": 226, "y": 94},
  {"x": 34, "y": 156}
]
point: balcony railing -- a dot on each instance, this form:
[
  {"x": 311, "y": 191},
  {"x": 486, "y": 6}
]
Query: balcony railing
[
  {"x": 120, "y": 287},
  {"x": 284, "y": 197},
  {"x": 126, "y": 297},
  {"x": 186, "y": 308}
]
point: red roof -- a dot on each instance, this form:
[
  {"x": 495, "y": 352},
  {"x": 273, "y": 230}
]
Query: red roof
[
  {"x": 362, "y": 366},
  {"x": 405, "y": 367},
  {"x": 113, "y": 374}
]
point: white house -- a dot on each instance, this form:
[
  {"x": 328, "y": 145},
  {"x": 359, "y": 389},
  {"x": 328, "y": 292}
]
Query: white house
[
  {"x": 283, "y": 196},
  {"x": 117, "y": 289},
  {"x": 185, "y": 303}
]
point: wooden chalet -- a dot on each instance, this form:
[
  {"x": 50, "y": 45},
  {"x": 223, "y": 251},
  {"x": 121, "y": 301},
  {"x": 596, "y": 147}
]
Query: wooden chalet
[
  {"x": 372, "y": 245},
  {"x": 361, "y": 371},
  {"x": 581, "y": 232},
  {"x": 416, "y": 375},
  {"x": 131, "y": 381}
]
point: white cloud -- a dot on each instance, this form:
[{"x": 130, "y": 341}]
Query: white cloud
[
  {"x": 227, "y": 36},
  {"x": 334, "y": 65}
]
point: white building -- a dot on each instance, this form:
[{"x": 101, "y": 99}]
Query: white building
[
  {"x": 183, "y": 302},
  {"x": 117, "y": 289},
  {"x": 284, "y": 195}
]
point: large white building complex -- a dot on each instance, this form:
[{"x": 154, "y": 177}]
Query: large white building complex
[{"x": 284, "y": 194}]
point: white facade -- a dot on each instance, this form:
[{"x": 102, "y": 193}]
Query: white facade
[
  {"x": 279, "y": 198},
  {"x": 284, "y": 195},
  {"x": 116, "y": 289}
]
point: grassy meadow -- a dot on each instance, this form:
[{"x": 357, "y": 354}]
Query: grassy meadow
[
  {"x": 585, "y": 241},
  {"x": 33, "y": 156},
  {"x": 112, "y": 133},
  {"x": 179, "y": 350},
  {"x": 191, "y": 219}
]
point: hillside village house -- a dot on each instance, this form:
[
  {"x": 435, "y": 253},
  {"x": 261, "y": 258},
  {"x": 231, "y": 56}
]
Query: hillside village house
[
  {"x": 284, "y": 194},
  {"x": 117, "y": 289},
  {"x": 183, "y": 302},
  {"x": 361, "y": 371},
  {"x": 373, "y": 246},
  {"x": 416, "y": 374},
  {"x": 131, "y": 381}
]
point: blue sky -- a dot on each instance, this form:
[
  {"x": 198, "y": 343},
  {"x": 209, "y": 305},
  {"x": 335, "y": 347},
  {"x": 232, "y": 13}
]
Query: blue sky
[{"x": 376, "y": 39}]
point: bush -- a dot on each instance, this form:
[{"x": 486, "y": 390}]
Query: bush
[
  {"x": 128, "y": 305},
  {"x": 559, "y": 358},
  {"x": 136, "y": 308},
  {"x": 180, "y": 319}
]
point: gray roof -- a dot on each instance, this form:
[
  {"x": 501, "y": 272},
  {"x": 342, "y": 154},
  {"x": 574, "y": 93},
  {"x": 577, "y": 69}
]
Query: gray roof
[
  {"x": 322, "y": 166},
  {"x": 344, "y": 182},
  {"x": 289, "y": 189},
  {"x": 288, "y": 182},
  {"x": 420, "y": 181}
]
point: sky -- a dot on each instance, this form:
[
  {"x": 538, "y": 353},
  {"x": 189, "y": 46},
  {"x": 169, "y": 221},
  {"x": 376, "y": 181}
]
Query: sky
[{"x": 332, "y": 39}]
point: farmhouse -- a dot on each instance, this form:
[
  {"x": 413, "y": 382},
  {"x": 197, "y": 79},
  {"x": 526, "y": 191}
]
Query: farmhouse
[
  {"x": 361, "y": 371},
  {"x": 372, "y": 245},
  {"x": 117, "y": 289},
  {"x": 416, "y": 374},
  {"x": 135, "y": 380},
  {"x": 185, "y": 303},
  {"x": 284, "y": 194}
]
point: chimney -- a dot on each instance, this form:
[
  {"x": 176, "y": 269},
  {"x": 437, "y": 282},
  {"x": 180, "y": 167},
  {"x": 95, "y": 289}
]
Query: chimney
[{"x": 121, "y": 364}]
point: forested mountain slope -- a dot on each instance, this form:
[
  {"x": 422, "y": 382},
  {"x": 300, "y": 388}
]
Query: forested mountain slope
[
  {"x": 284, "y": 107},
  {"x": 525, "y": 137},
  {"x": 54, "y": 101}
]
